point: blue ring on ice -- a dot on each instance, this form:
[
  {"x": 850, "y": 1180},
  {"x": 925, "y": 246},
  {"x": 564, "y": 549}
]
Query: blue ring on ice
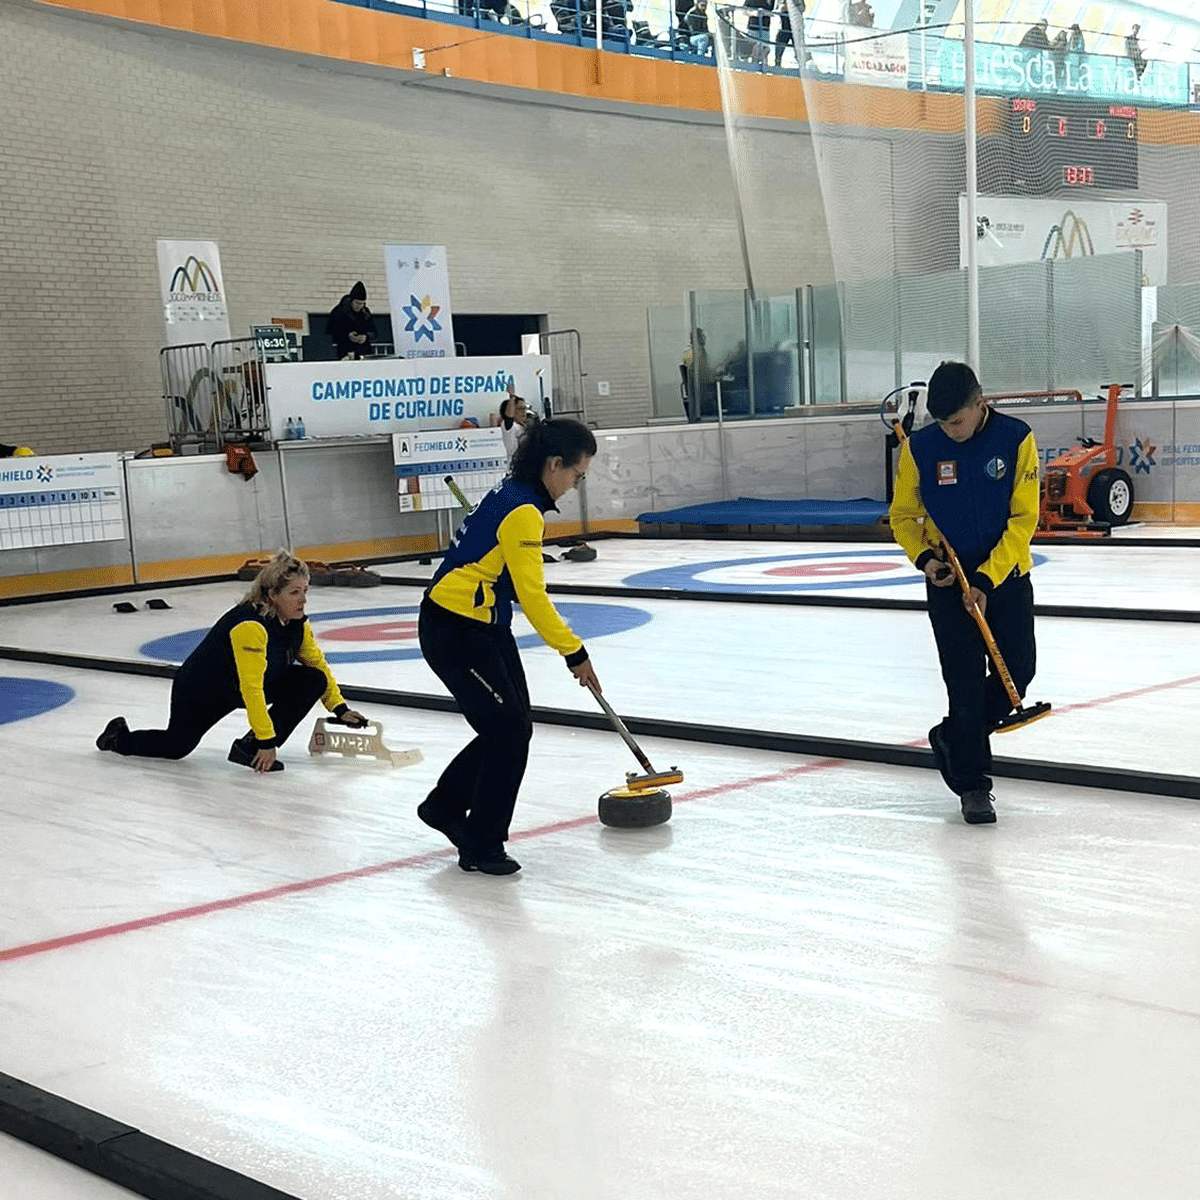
[
  {"x": 683, "y": 577},
  {"x": 22, "y": 698},
  {"x": 587, "y": 620}
]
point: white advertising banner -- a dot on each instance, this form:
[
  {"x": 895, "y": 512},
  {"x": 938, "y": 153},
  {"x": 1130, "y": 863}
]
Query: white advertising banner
[
  {"x": 418, "y": 283},
  {"x": 475, "y": 458},
  {"x": 878, "y": 62},
  {"x": 1017, "y": 229},
  {"x": 60, "y": 500},
  {"x": 385, "y": 395},
  {"x": 193, "y": 292}
]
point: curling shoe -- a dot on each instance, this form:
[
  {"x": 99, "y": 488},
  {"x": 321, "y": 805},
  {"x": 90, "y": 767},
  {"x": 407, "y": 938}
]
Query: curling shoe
[
  {"x": 113, "y": 731},
  {"x": 243, "y": 751},
  {"x": 431, "y": 812},
  {"x": 492, "y": 865},
  {"x": 977, "y": 807}
]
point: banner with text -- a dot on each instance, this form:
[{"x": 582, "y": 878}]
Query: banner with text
[
  {"x": 60, "y": 500},
  {"x": 384, "y": 395},
  {"x": 878, "y": 62},
  {"x": 418, "y": 283},
  {"x": 1018, "y": 229},
  {"x": 193, "y": 292},
  {"x": 1008, "y": 70}
]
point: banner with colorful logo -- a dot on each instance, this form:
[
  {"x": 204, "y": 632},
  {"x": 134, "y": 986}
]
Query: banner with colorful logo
[
  {"x": 1018, "y": 229},
  {"x": 193, "y": 292},
  {"x": 418, "y": 283}
]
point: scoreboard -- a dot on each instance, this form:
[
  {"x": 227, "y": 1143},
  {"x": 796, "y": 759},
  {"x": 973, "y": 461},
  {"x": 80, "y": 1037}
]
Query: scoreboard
[{"x": 1068, "y": 144}]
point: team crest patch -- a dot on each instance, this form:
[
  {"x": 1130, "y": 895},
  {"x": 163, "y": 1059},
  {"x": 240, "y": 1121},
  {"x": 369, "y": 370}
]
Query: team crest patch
[
  {"x": 947, "y": 472},
  {"x": 997, "y": 468}
]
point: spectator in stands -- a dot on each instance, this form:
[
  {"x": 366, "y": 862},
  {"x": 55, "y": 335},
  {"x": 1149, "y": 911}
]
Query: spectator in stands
[
  {"x": 783, "y": 35},
  {"x": 695, "y": 24},
  {"x": 1075, "y": 42},
  {"x": 351, "y": 325},
  {"x": 1037, "y": 36},
  {"x": 861, "y": 13},
  {"x": 758, "y": 29},
  {"x": 1133, "y": 51}
]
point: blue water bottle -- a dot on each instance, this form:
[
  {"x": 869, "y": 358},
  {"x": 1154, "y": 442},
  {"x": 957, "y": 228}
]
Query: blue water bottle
[
  {"x": 300, "y": 431},
  {"x": 291, "y": 430}
]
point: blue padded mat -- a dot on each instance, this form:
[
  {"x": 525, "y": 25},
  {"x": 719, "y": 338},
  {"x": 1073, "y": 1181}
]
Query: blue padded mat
[{"x": 745, "y": 510}]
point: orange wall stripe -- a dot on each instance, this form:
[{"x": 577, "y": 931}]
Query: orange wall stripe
[{"x": 328, "y": 29}]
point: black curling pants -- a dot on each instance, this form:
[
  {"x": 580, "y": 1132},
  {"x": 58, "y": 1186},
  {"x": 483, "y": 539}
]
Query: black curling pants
[
  {"x": 974, "y": 689},
  {"x": 481, "y": 667},
  {"x": 195, "y": 710}
]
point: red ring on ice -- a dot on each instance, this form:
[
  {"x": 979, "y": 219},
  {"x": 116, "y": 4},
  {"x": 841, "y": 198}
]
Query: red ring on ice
[
  {"x": 384, "y": 631},
  {"x": 828, "y": 570}
]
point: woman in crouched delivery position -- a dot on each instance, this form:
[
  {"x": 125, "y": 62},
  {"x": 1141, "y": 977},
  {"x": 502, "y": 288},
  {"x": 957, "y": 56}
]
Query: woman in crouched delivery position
[
  {"x": 466, "y": 614},
  {"x": 261, "y": 652}
]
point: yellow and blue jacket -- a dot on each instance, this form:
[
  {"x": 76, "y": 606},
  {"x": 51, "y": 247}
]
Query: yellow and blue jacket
[
  {"x": 981, "y": 496},
  {"x": 496, "y": 559},
  {"x": 244, "y": 656}
]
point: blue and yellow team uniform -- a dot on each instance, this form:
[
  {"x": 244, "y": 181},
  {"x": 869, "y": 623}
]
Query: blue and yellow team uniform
[
  {"x": 496, "y": 558},
  {"x": 494, "y": 561},
  {"x": 246, "y": 660},
  {"x": 980, "y": 496}
]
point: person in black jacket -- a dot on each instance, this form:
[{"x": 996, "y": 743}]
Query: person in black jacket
[
  {"x": 351, "y": 325},
  {"x": 261, "y": 652}
]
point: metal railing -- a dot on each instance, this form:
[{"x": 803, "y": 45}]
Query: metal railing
[
  {"x": 568, "y": 396},
  {"x": 214, "y": 394}
]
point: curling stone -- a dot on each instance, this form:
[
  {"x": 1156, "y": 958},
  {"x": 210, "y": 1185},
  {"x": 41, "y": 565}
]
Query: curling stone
[{"x": 628, "y": 808}]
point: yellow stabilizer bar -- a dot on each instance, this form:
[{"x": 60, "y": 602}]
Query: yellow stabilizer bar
[{"x": 644, "y": 783}]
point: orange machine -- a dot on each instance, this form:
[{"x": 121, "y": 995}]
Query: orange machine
[{"x": 1084, "y": 491}]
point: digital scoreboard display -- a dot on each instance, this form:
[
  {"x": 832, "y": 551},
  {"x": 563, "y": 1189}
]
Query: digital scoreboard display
[{"x": 1057, "y": 145}]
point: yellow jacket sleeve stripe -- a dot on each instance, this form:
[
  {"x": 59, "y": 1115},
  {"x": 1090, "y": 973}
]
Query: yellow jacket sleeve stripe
[
  {"x": 249, "y": 641},
  {"x": 1012, "y": 550},
  {"x": 911, "y": 526},
  {"x": 520, "y": 537},
  {"x": 310, "y": 655}
]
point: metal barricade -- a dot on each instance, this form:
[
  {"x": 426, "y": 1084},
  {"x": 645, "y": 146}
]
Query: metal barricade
[
  {"x": 188, "y": 395},
  {"x": 568, "y": 398},
  {"x": 239, "y": 377},
  {"x": 214, "y": 394}
]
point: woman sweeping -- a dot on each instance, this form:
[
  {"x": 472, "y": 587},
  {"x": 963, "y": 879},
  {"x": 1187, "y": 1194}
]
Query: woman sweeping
[{"x": 466, "y": 637}]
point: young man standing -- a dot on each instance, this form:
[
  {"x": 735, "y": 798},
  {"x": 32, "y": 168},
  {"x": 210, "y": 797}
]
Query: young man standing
[{"x": 970, "y": 479}]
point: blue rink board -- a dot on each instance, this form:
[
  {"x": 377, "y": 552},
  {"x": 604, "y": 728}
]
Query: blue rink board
[{"x": 746, "y": 510}]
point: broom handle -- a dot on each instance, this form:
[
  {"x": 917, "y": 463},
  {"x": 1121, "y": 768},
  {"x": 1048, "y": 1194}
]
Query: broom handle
[
  {"x": 980, "y": 620},
  {"x": 619, "y": 726},
  {"x": 457, "y": 493}
]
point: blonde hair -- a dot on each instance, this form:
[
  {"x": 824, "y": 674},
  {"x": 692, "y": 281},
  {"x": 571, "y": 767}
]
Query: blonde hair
[{"x": 276, "y": 575}]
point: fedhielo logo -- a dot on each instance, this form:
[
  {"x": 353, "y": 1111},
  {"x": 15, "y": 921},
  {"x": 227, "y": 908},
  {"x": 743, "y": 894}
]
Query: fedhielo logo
[
  {"x": 45, "y": 474},
  {"x": 460, "y": 445},
  {"x": 1141, "y": 456},
  {"x": 188, "y": 278},
  {"x": 422, "y": 318}
]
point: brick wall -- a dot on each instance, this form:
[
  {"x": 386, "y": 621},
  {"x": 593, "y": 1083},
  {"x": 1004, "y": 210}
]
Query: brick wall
[{"x": 300, "y": 171}]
